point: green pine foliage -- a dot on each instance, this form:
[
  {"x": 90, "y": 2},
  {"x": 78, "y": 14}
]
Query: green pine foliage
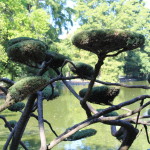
[
  {"x": 101, "y": 95},
  {"x": 82, "y": 69},
  {"x": 148, "y": 112},
  {"x": 27, "y": 52},
  {"x": 26, "y": 86},
  {"x": 81, "y": 134},
  {"x": 21, "y": 39},
  {"x": 106, "y": 41},
  {"x": 48, "y": 95},
  {"x": 17, "y": 106},
  {"x": 111, "y": 114},
  {"x": 56, "y": 59}
]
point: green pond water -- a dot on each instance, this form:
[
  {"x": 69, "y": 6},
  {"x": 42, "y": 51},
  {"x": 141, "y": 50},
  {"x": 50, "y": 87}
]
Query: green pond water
[{"x": 65, "y": 111}]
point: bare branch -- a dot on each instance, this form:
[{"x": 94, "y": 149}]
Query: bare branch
[
  {"x": 148, "y": 140},
  {"x": 36, "y": 117},
  {"x": 3, "y": 90},
  {"x": 122, "y": 85},
  {"x": 40, "y": 120},
  {"x": 123, "y": 50},
  {"x": 8, "y": 81}
]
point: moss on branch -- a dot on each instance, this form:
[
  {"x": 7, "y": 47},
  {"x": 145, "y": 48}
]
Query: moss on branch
[{"x": 26, "y": 86}]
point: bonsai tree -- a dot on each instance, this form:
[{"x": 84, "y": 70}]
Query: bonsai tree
[{"x": 36, "y": 54}]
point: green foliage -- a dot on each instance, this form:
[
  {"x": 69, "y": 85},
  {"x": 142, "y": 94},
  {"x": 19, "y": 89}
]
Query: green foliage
[
  {"x": 148, "y": 78},
  {"x": 105, "y": 41},
  {"x": 42, "y": 20},
  {"x": 12, "y": 123},
  {"x": 21, "y": 39},
  {"x": 82, "y": 69},
  {"x": 101, "y": 95},
  {"x": 17, "y": 106},
  {"x": 109, "y": 75},
  {"x": 81, "y": 134},
  {"x": 48, "y": 95},
  {"x": 27, "y": 52},
  {"x": 136, "y": 61},
  {"x": 111, "y": 114},
  {"x": 56, "y": 59},
  {"x": 26, "y": 86},
  {"x": 148, "y": 112}
]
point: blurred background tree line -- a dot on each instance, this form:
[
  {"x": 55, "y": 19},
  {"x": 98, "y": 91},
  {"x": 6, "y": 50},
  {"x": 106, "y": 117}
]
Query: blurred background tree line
[{"x": 48, "y": 19}]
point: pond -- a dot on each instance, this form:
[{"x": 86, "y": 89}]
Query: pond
[{"x": 65, "y": 111}]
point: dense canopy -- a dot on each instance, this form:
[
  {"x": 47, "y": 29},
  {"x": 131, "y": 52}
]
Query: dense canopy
[
  {"x": 27, "y": 51},
  {"x": 105, "y": 41},
  {"x": 101, "y": 94}
]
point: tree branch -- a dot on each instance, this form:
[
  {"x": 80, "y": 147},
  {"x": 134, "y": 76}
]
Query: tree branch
[
  {"x": 122, "y": 85},
  {"x": 8, "y": 81},
  {"x": 9, "y": 138},
  {"x": 40, "y": 120},
  {"x": 36, "y": 117},
  {"x": 4, "y": 90},
  {"x": 90, "y": 86},
  {"x": 20, "y": 127}
]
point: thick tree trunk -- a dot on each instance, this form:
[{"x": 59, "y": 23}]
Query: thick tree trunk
[{"x": 22, "y": 123}]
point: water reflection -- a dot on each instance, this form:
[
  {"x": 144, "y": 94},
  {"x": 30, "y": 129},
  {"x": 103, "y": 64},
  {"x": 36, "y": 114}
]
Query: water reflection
[{"x": 65, "y": 111}]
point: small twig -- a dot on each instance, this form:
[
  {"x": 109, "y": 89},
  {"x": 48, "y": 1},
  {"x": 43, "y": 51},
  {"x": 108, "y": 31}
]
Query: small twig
[
  {"x": 123, "y": 50},
  {"x": 44, "y": 67},
  {"x": 117, "y": 107},
  {"x": 65, "y": 62},
  {"x": 40, "y": 120},
  {"x": 130, "y": 113},
  {"x": 36, "y": 117},
  {"x": 69, "y": 86},
  {"x": 147, "y": 136},
  {"x": 141, "y": 104},
  {"x": 122, "y": 85}
]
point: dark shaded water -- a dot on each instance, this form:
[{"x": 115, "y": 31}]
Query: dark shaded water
[{"x": 65, "y": 111}]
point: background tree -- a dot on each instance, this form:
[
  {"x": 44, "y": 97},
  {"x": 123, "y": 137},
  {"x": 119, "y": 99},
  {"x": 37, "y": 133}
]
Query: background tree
[
  {"x": 36, "y": 19},
  {"x": 131, "y": 15}
]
